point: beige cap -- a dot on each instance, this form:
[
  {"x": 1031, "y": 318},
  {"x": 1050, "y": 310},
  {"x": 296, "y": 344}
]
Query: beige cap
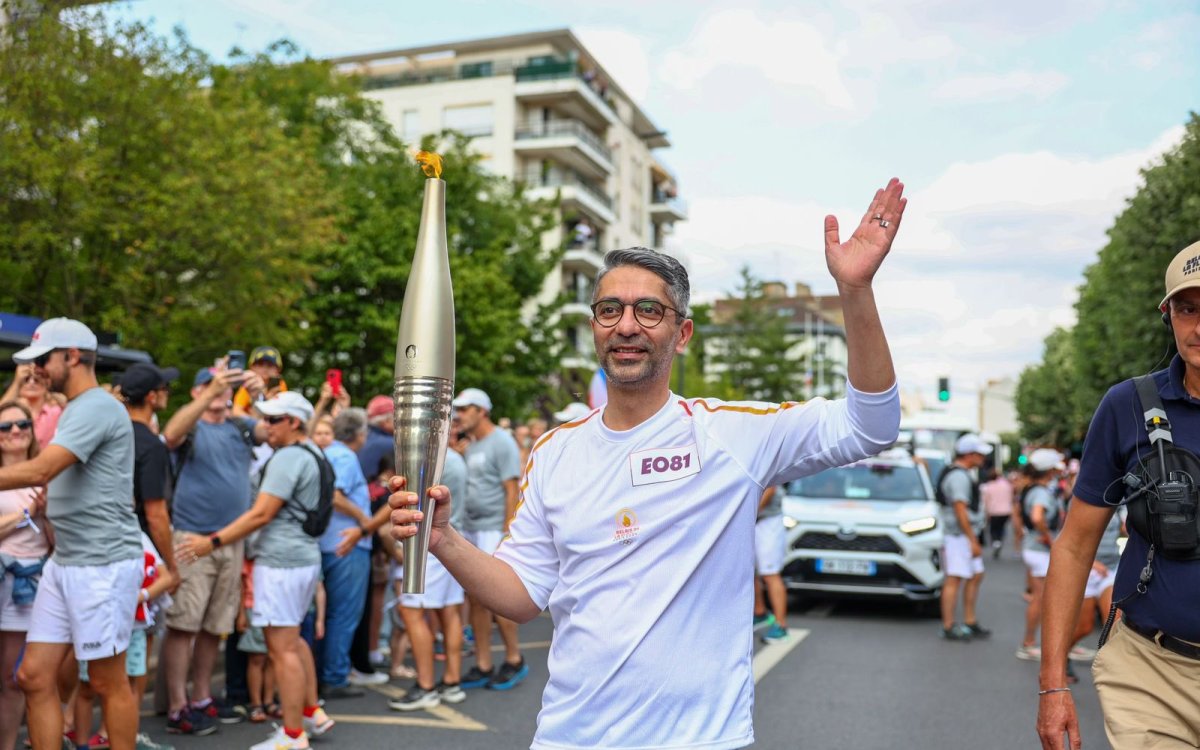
[{"x": 1183, "y": 272}]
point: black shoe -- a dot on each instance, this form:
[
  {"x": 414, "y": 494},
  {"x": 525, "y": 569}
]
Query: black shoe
[
  {"x": 509, "y": 676},
  {"x": 977, "y": 630},
  {"x": 956, "y": 633},
  {"x": 191, "y": 721},
  {"x": 333, "y": 692},
  {"x": 476, "y": 678}
]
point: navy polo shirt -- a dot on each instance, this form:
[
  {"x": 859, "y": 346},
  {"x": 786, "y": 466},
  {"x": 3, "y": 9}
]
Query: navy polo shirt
[
  {"x": 1116, "y": 439},
  {"x": 377, "y": 445}
]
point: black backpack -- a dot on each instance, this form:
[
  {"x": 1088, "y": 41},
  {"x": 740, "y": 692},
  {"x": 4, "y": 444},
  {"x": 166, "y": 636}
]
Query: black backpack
[
  {"x": 1052, "y": 521},
  {"x": 972, "y": 503},
  {"x": 314, "y": 522}
]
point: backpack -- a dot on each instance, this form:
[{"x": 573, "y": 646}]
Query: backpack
[
  {"x": 244, "y": 426},
  {"x": 1052, "y": 521},
  {"x": 314, "y": 522},
  {"x": 972, "y": 503}
]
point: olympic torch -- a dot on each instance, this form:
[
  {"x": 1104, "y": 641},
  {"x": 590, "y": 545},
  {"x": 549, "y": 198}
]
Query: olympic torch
[{"x": 425, "y": 368}]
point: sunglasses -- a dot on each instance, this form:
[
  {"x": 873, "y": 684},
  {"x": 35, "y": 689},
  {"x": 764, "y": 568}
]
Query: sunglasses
[
  {"x": 276, "y": 420},
  {"x": 20, "y": 424},
  {"x": 42, "y": 360}
]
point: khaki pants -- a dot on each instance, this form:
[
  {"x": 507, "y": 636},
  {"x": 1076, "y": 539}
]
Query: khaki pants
[
  {"x": 210, "y": 591},
  {"x": 1150, "y": 696}
]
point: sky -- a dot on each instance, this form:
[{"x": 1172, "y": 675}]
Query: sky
[{"x": 1018, "y": 127}]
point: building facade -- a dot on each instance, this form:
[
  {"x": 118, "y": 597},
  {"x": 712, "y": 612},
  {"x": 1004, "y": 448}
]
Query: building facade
[{"x": 542, "y": 111}]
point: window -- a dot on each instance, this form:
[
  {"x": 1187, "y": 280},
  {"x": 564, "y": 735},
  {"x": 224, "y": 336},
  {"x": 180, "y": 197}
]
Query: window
[
  {"x": 470, "y": 120},
  {"x": 410, "y": 125}
]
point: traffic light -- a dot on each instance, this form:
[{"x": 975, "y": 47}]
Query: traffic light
[{"x": 943, "y": 389}]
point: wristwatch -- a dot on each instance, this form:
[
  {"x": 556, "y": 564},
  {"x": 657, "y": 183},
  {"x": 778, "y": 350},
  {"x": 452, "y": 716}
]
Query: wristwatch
[{"x": 216, "y": 541}]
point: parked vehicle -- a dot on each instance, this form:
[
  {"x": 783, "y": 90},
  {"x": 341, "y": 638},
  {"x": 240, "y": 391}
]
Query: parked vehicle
[{"x": 869, "y": 529}]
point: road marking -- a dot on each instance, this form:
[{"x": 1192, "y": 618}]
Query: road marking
[
  {"x": 443, "y": 717},
  {"x": 772, "y": 653}
]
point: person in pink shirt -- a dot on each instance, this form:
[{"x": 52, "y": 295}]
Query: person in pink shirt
[
  {"x": 24, "y": 546},
  {"x": 44, "y": 406},
  {"x": 997, "y": 494}
]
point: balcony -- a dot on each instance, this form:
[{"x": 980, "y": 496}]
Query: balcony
[
  {"x": 566, "y": 141},
  {"x": 561, "y": 87},
  {"x": 665, "y": 208},
  {"x": 586, "y": 259},
  {"x": 575, "y": 192}
]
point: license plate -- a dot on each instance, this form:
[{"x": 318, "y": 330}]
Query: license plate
[{"x": 846, "y": 567}]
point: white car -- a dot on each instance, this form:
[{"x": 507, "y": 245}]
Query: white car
[{"x": 871, "y": 528}]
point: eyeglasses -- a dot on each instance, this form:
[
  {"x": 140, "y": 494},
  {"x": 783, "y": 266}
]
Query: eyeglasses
[
  {"x": 647, "y": 312},
  {"x": 20, "y": 424},
  {"x": 43, "y": 359},
  {"x": 276, "y": 419}
]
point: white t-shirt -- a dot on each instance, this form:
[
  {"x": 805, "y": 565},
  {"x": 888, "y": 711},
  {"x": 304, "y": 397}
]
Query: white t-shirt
[{"x": 642, "y": 545}]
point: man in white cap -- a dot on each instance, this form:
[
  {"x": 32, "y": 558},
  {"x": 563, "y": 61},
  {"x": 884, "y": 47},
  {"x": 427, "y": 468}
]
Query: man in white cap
[
  {"x": 1149, "y": 675},
  {"x": 88, "y": 592},
  {"x": 493, "y": 466},
  {"x": 962, "y": 554},
  {"x": 287, "y": 563}
]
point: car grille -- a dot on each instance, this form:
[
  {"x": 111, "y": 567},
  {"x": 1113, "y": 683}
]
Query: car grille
[{"x": 861, "y": 543}]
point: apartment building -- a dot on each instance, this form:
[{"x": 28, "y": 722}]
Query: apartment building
[{"x": 541, "y": 110}]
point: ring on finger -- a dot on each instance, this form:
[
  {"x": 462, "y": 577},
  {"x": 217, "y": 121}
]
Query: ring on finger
[
  {"x": 884, "y": 223},
  {"x": 877, "y": 217}
]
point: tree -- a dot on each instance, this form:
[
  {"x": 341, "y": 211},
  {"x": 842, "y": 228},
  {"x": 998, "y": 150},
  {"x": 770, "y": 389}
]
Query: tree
[
  {"x": 755, "y": 346},
  {"x": 1113, "y": 339},
  {"x": 1049, "y": 405}
]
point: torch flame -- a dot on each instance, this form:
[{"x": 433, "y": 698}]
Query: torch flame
[{"x": 431, "y": 164}]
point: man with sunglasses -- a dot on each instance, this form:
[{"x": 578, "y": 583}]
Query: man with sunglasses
[
  {"x": 88, "y": 592},
  {"x": 636, "y": 523}
]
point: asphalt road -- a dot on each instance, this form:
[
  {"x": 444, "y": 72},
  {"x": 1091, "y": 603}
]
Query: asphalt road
[{"x": 855, "y": 675}]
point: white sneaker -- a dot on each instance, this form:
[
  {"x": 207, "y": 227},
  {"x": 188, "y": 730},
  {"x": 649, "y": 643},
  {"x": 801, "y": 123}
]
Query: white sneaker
[
  {"x": 1081, "y": 653},
  {"x": 318, "y": 724},
  {"x": 362, "y": 679},
  {"x": 1029, "y": 653},
  {"x": 280, "y": 741},
  {"x": 416, "y": 699}
]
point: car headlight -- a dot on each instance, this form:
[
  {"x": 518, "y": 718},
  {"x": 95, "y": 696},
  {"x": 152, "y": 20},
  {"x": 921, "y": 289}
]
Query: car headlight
[
  {"x": 919, "y": 525},
  {"x": 789, "y": 522}
]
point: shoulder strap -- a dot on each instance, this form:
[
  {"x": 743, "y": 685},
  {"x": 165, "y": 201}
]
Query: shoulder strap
[{"x": 1157, "y": 424}]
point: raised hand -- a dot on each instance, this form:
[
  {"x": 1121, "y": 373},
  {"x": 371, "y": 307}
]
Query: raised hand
[{"x": 853, "y": 263}]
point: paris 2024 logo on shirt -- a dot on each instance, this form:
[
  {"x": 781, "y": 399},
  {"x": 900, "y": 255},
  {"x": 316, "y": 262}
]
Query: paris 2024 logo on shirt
[{"x": 627, "y": 526}]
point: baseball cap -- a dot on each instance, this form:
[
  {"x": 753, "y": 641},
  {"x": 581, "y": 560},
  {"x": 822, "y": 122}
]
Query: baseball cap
[
  {"x": 379, "y": 406},
  {"x": 472, "y": 397},
  {"x": 972, "y": 443},
  {"x": 1045, "y": 459},
  {"x": 266, "y": 354},
  {"x": 142, "y": 378},
  {"x": 1183, "y": 272},
  {"x": 286, "y": 404},
  {"x": 57, "y": 333},
  {"x": 574, "y": 410},
  {"x": 204, "y": 376}
]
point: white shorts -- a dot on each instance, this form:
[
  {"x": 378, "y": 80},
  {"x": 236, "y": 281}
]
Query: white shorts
[
  {"x": 15, "y": 617},
  {"x": 441, "y": 588},
  {"x": 282, "y": 596},
  {"x": 1037, "y": 561},
  {"x": 1096, "y": 583},
  {"x": 487, "y": 540},
  {"x": 770, "y": 545},
  {"x": 956, "y": 557},
  {"x": 90, "y": 606}
]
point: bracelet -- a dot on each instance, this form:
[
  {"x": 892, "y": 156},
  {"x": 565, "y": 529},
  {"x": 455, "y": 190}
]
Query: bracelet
[{"x": 1054, "y": 690}]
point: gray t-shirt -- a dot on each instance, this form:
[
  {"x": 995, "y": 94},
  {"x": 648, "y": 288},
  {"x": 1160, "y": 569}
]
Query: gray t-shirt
[
  {"x": 490, "y": 462},
  {"x": 774, "y": 506},
  {"x": 957, "y": 486},
  {"x": 1039, "y": 495},
  {"x": 214, "y": 482},
  {"x": 91, "y": 502},
  {"x": 1108, "y": 553},
  {"x": 293, "y": 476},
  {"x": 454, "y": 476}
]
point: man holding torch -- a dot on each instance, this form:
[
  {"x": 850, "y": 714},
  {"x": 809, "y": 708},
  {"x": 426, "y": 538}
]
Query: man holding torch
[{"x": 636, "y": 523}]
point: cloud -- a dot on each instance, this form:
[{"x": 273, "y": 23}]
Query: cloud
[
  {"x": 789, "y": 53},
  {"x": 1021, "y": 84},
  {"x": 623, "y": 55}
]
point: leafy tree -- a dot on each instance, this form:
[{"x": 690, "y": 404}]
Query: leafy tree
[
  {"x": 755, "y": 345},
  {"x": 1049, "y": 405}
]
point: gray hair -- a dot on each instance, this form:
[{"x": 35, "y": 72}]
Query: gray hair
[
  {"x": 349, "y": 424},
  {"x": 661, "y": 265}
]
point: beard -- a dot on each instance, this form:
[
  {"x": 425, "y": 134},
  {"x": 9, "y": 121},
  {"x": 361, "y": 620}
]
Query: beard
[
  {"x": 650, "y": 368},
  {"x": 57, "y": 383}
]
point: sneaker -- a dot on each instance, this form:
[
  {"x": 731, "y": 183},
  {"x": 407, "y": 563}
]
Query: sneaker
[
  {"x": 318, "y": 724},
  {"x": 143, "y": 742},
  {"x": 956, "y": 633},
  {"x": 451, "y": 693},
  {"x": 977, "y": 630},
  {"x": 1029, "y": 653},
  {"x": 762, "y": 622},
  {"x": 223, "y": 712},
  {"x": 404, "y": 672},
  {"x": 334, "y": 692},
  {"x": 476, "y": 678},
  {"x": 97, "y": 742},
  {"x": 366, "y": 678},
  {"x": 191, "y": 721},
  {"x": 279, "y": 740},
  {"x": 415, "y": 699},
  {"x": 775, "y": 634},
  {"x": 509, "y": 676},
  {"x": 1081, "y": 653}
]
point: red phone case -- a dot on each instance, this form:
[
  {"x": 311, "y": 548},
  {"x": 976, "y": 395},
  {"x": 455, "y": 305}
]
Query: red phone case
[{"x": 334, "y": 378}]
